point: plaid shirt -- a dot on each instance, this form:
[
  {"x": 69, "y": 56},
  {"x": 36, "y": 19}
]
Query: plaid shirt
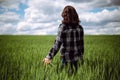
[{"x": 70, "y": 42}]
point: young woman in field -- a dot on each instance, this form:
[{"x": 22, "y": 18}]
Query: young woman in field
[{"x": 70, "y": 40}]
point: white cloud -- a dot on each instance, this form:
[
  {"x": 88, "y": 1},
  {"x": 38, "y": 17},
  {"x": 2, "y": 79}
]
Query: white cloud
[
  {"x": 97, "y": 3},
  {"x": 50, "y": 30},
  {"x": 100, "y": 17},
  {"x": 43, "y": 17},
  {"x": 108, "y": 28},
  {"x": 9, "y": 17},
  {"x": 36, "y": 28},
  {"x": 40, "y": 17},
  {"x": 113, "y": 24},
  {"x": 40, "y": 11},
  {"x": 8, "y": 21},
  {"x": 7, "y": 28},
  {"x": 36, "y": 16},
  {"x": 11, "y": 4},
  {"x": 23, "y": 26}
]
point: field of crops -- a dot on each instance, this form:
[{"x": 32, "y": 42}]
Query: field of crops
[{"x": 21, "y": 58}]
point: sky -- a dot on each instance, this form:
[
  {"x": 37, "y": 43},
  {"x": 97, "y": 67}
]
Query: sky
[{"x": 42, "y": 17}]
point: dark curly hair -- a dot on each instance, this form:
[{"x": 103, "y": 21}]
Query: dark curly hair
[{"x": 70, "y": 15}]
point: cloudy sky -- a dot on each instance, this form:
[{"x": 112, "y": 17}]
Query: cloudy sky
[{"x": 41, "y": 17}]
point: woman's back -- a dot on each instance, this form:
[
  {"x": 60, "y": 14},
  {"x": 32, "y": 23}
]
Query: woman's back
[{"x": 72, "y": 41}]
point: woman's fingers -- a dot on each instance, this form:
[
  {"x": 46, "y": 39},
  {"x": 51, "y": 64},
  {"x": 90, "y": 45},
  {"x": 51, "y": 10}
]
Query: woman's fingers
[{"x": 46, "y": 61}]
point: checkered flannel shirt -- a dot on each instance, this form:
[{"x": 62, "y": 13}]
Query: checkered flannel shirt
[{"x": 70, "y": 41}]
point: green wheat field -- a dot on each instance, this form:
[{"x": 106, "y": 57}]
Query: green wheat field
[{"x": 21, "y": 58}]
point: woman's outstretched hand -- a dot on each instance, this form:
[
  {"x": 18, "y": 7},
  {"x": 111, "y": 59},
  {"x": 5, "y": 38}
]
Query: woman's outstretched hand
[{"x": 46, "y": 61}]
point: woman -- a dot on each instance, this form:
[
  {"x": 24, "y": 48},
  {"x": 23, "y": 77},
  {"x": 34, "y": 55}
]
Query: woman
[{"x": 69, "y": 40}]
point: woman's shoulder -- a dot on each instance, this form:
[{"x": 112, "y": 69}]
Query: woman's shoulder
[
  {"x": 62, "y": 27},
  {"x": 80, "y": 26}
]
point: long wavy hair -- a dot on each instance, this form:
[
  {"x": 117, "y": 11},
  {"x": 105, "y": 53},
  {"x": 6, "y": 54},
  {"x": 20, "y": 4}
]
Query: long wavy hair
[{"x": 70, "y": 15}]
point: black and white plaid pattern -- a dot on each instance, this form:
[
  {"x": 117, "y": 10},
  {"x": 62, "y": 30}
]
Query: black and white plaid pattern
[{"x": 70, "y": 42}]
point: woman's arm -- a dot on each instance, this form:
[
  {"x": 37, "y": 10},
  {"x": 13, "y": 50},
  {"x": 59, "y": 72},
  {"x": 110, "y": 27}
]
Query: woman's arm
[
  {"x": 82, "y": 40},
  {"x": 57, "y": 43}
]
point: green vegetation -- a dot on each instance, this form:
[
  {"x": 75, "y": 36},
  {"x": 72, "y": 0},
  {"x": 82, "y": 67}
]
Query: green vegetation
[{"x": 21, "y": 58}]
